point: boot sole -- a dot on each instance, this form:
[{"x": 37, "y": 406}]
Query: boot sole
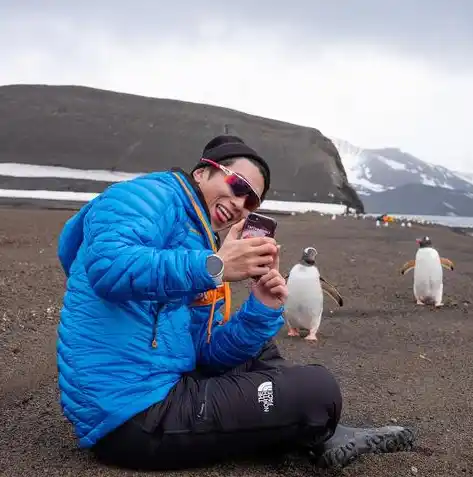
[{"x": 382, "y": 443}]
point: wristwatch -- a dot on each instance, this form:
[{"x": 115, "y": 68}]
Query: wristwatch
[{"x": 215, "y": 267}]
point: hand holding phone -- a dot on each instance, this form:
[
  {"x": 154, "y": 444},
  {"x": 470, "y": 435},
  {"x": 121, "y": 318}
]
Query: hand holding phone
[
  {"x": 253, "y": 256},
  {"x": 258, "y": 225}
]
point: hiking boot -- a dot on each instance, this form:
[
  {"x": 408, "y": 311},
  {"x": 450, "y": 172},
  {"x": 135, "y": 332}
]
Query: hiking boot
[{"x": 348, "y": 443}]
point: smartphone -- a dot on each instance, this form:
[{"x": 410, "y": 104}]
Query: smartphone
[{"x": 257, "y": 225}]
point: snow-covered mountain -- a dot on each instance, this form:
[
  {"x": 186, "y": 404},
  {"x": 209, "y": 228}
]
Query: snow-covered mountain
[{"x": 392, "y": 180}]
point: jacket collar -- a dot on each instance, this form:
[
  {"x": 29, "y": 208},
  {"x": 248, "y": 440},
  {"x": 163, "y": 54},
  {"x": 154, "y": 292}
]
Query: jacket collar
[{"x": 200, "y": 197}]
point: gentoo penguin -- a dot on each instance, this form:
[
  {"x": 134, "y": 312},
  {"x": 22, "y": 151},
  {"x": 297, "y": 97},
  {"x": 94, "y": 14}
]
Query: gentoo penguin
[
  {"x": 304, "y": 304},
  {"x": 428, "y": 274}
]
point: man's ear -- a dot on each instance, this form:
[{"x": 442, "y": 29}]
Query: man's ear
[
  {"x": 201, "y": 174},
  {"x": 198, "y": 174}
]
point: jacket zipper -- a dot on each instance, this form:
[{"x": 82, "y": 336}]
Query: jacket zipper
[{"x": 156, "y": 310}]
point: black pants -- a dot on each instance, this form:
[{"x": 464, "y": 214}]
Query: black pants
[{"x": 267, "y": 404}]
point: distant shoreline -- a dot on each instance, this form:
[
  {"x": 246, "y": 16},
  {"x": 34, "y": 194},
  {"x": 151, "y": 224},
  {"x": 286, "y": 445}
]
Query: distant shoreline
[{"x": 73, "y": 206}]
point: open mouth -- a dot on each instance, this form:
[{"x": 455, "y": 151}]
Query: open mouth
[{"x": 224, "y": 213}]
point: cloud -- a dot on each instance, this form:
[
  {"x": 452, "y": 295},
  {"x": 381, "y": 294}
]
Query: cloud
[
  {"x": 314, "y": 66},
  {"x": 437, "y": 29}
]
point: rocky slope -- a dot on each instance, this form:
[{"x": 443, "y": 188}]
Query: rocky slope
[{"x": 87, "y": 128}]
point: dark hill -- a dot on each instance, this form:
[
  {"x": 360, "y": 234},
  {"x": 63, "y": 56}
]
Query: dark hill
[{"x": 95, "y": 129}]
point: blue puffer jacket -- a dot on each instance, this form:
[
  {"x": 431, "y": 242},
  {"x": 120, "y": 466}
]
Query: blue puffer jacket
[{"x": 135, "y": 261}]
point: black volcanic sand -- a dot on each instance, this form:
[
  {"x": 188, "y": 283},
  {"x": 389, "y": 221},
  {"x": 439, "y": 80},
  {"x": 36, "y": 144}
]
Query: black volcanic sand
[{"x": 396, "y": 362}]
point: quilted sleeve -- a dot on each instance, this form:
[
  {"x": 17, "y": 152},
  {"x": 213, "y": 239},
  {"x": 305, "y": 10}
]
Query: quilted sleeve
[
  {"x": 238, "y": 340},
  {"x": 119, "y": 262}
]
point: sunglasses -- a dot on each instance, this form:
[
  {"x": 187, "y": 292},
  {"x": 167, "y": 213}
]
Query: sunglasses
[{"x": 239, "y": 185}]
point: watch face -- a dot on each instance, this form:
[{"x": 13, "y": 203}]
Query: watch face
[{"x": 214, "y": 265}]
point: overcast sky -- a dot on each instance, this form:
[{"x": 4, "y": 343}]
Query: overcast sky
[{"x": 377, "y": 73}]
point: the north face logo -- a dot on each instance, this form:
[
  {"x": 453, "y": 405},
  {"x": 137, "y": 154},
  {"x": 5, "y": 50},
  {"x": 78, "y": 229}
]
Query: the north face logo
[{"x": 265, "y": 395}]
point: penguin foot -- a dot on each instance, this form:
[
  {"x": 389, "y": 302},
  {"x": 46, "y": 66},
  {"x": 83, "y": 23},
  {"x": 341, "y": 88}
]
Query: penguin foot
[
  {"x": 420, "y": 303},
  {"x": 311, "y": 337},
  {"x": 293, "y": 332},
  {"x": 438, "y": 305}
]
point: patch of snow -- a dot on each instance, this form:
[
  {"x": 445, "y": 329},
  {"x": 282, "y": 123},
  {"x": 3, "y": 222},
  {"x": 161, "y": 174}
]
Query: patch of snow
[
  {"x": 31, "y": 170},
  {"x": 48, "y": 195},
  {"x": 13, "y": 169},
  {"x": 396, "y": 165},
  {"x": 358, "y": 173},
  {"x": 427, "y": 180},
  {"x": 369, "y": 185},
  {"x": 352, "y": 164},
  {"x": 270, "y": 205},
  {"x": 450, "y": 206},
  {"x": 352, "y": 157},
  {"x": 281, "y": 206},
  {"x": 445, "y": 186}
]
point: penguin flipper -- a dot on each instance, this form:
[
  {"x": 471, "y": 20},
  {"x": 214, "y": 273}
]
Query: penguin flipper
[
  {"x": 407, "y": 267},
  {"x": 446, "y": 263},
  {"x": 331, "y": 291},
  {"x": 327, "y": 282}
]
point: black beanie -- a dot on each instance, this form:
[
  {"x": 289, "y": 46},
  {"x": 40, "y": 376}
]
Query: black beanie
[{"x": 225, "y": 147}]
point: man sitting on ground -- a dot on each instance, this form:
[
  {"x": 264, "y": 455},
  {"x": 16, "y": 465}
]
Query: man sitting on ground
[{"x": 152, "y": 374}]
